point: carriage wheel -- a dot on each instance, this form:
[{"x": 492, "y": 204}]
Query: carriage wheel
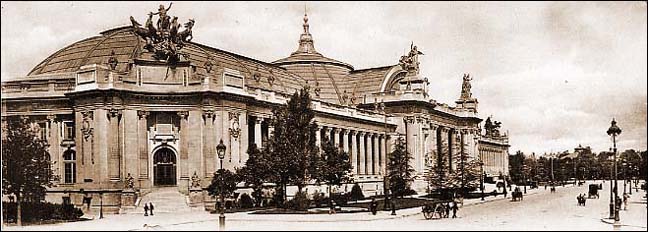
[{"x": 428, "y": 214}]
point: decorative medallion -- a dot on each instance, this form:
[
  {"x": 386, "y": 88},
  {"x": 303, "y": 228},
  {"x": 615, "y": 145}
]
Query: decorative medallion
[{"x": 235, "y": 128}]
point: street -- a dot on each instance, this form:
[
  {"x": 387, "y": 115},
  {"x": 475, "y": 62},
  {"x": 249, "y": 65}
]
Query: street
[{"x": 540, "y": 210}]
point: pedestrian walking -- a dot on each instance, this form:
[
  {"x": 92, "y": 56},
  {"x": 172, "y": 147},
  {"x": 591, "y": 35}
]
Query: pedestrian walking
[
  {"x": 332, "y": 207},
  {"x": 625, "y": 201},
  {"x": 373, "y": 206},
  {"x": 447, "y": 209},
  {"x": 455, "y": 207},
  {"x": 146, "y": 209},
  {"x": 151, "y": 208}
]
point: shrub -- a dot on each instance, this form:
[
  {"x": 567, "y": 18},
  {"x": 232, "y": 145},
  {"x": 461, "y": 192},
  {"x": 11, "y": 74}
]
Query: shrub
[
  {"x": 246, "y": 201},
  {"x": 319, "y": 199},
  {"x": 40, "y": 211},
  {"x": 341, "y": 199},
  {"x": 356, "y": 192},
  {"x": 299, "y": 202}
]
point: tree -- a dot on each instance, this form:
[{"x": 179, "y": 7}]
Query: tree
[
  {"x": 439, "y": 177},
  {"x": 224, "y": 182},
  {"x": 256, "y": 171},
  {"x": 26, "y": 166},
  {"x": 334, "y": 167},
  {"x": 400, "y": 170},
  {"x": 292, "y": 143},
  {"x": 468, "y": 173}
]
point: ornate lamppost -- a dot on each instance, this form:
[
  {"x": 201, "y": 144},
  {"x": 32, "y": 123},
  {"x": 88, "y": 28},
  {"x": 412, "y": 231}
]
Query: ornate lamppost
[
  {"x": 220, "y": 149},
  {"x": 613, "y": 131},
  {"x": 624, "y": 164},
  {"x": 611, "y": 187}
]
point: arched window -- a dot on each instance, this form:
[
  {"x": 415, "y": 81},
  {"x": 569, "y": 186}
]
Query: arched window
[{"x": 69, "y": 160}]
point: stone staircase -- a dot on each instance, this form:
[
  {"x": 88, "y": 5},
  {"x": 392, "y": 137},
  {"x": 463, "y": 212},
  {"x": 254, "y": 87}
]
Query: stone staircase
[{"x": 165, "y": 200}]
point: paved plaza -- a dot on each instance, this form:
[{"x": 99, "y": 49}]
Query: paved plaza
[{"x": 540, "y": 210}]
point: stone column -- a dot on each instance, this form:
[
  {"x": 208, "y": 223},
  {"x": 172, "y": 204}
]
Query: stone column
[
  {"x": 383, "y": 154},
  {"x": 410, "y": 130},
  {"x": 318, "y": 137},
  {"x": 369, "y": 153},
  {"x": 142, "y": 143},
  {"x": 444, "y": 145},
  {"x": 336, "y": 137},
  {"x": 54, "y": 140},
  {"x": 257, "y": 132},
  {"x": 327, "y": 134},
  {"x": 434, "y": 150},
  {"x": 345, "y": 140},
  {"x": 376, "y": 154},
  {"x": 208, "y": 143},
  {"x": 184, "y": 150},
  {"x": 362, "y": 154},
  {"x": 354, "y": 152},
  {"x": 113, "y": 145}
]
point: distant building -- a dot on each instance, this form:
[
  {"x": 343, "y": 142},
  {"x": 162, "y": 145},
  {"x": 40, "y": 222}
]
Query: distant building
[
  {"x": 147, "y": 108},
  {"x": 493, "y": 150}
]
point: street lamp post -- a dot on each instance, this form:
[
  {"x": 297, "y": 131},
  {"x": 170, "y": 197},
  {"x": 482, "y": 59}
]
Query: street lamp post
[
  {"x": 100, "y": 205},
  {"x": 613, "y": 131},
  {"x": 220, "y": 149},
  {"x": 624, "y": 164},
  {"x": 611, "y": 188}
]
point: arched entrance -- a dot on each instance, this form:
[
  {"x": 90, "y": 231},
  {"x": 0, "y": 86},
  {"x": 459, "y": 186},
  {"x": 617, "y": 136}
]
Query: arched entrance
[{"x": 164, "y": 167}]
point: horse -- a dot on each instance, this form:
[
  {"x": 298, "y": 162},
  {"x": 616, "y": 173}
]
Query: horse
[{"x": 186, "y": 35}]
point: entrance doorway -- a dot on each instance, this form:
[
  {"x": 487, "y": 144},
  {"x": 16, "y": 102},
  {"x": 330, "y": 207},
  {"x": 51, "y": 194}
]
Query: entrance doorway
[{"x": 164, "y": 167}]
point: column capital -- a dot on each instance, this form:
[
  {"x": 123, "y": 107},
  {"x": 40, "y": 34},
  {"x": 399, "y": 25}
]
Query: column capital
[
  {"x": 143, "y": 114},
  {"x": 353, "y": 132},
  {"x": 346, "y": 132},
  {"x": 433, "y": 127},
  {"x": 51, "y": 117},
  {"x": 183, "y": 114},
  {"x": 113, "y": 112},
  {"x": 208, "y": 113},
  {"x": 360, "y": 133},
  {"x": 336, "y": 130}
]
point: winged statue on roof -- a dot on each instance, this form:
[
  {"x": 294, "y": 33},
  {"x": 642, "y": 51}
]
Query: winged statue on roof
[{"x": 166, "y": 40}]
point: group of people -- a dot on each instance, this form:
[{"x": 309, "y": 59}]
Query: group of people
[
  {"x": 581, "y": 199},
  {"x": 148, "y": 207}
]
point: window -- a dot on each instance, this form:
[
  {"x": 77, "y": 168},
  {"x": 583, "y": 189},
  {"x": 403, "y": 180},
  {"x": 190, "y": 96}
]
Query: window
[
  {"x": 69, "y": 160},
  {"x": 68, "y": 130}
]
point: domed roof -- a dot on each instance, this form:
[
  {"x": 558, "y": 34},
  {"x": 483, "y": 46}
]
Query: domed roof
[
  {"x": 93, "y": 50},
  {"x": 127, "y": 46},
  {"x": 306, "y": 52}
]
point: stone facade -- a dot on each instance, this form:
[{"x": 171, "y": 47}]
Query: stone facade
[{"x": 111, "y": 111}]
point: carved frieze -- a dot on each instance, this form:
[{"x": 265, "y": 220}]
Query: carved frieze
[{"x": 86, "y": 128}]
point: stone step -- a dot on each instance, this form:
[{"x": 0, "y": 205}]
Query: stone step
[{"x": 165, "y": 200}]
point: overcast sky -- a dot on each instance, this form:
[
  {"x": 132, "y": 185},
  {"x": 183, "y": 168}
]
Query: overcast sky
[{"x": 555, "y": 74}]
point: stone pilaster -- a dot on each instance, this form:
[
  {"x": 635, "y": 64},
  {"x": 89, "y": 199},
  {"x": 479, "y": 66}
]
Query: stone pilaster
[
  {"x": 142, "y": 143},
  {"x": 184, "y": 150},
  {"x": 114, "y": 145}
]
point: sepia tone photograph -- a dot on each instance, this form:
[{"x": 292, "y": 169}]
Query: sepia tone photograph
[{"x": 324, "y": 116}]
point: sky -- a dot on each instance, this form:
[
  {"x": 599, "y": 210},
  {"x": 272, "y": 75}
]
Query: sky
[{"x": 554, "y": 73}]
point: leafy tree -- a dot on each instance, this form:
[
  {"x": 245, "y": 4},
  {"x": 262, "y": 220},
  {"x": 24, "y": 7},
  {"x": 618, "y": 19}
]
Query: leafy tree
[
  {"x": 26, "y": 166},
  {"x": 468, "y": 173},
  {"x": 256, "y": 171},
  {"x": 400, "y": 170},
  {"x": 335, "y": 166},
  {"x": 224, "y": 182},
  {"x": 515, "y": 166},
  {"x": 293, "y": 142},
  {"x": 439, "y": 177}
]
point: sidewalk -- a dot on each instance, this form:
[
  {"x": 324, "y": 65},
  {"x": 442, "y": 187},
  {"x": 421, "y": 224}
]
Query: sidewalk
[{"x": 634, "y": 216}]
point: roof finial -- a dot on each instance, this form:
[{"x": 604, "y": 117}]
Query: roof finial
[{"x": 305, "y": 21}]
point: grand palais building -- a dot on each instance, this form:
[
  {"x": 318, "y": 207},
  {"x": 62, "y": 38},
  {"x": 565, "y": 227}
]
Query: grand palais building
[{"x": 141, "y": 106}]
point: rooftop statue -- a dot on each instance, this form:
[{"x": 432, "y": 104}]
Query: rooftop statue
[
  {"x": 410, "y": 61},
  {"x": 465, "y": 87},
  {"x": 165, "y": 41}
]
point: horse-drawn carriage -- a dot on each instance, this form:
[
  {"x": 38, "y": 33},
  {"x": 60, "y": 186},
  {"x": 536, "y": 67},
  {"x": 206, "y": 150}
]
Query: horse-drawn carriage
[
  {"x": 436, "y": 209},
  {"x": 593, "y": 191},
  {"x": 517, "y": 195}
]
